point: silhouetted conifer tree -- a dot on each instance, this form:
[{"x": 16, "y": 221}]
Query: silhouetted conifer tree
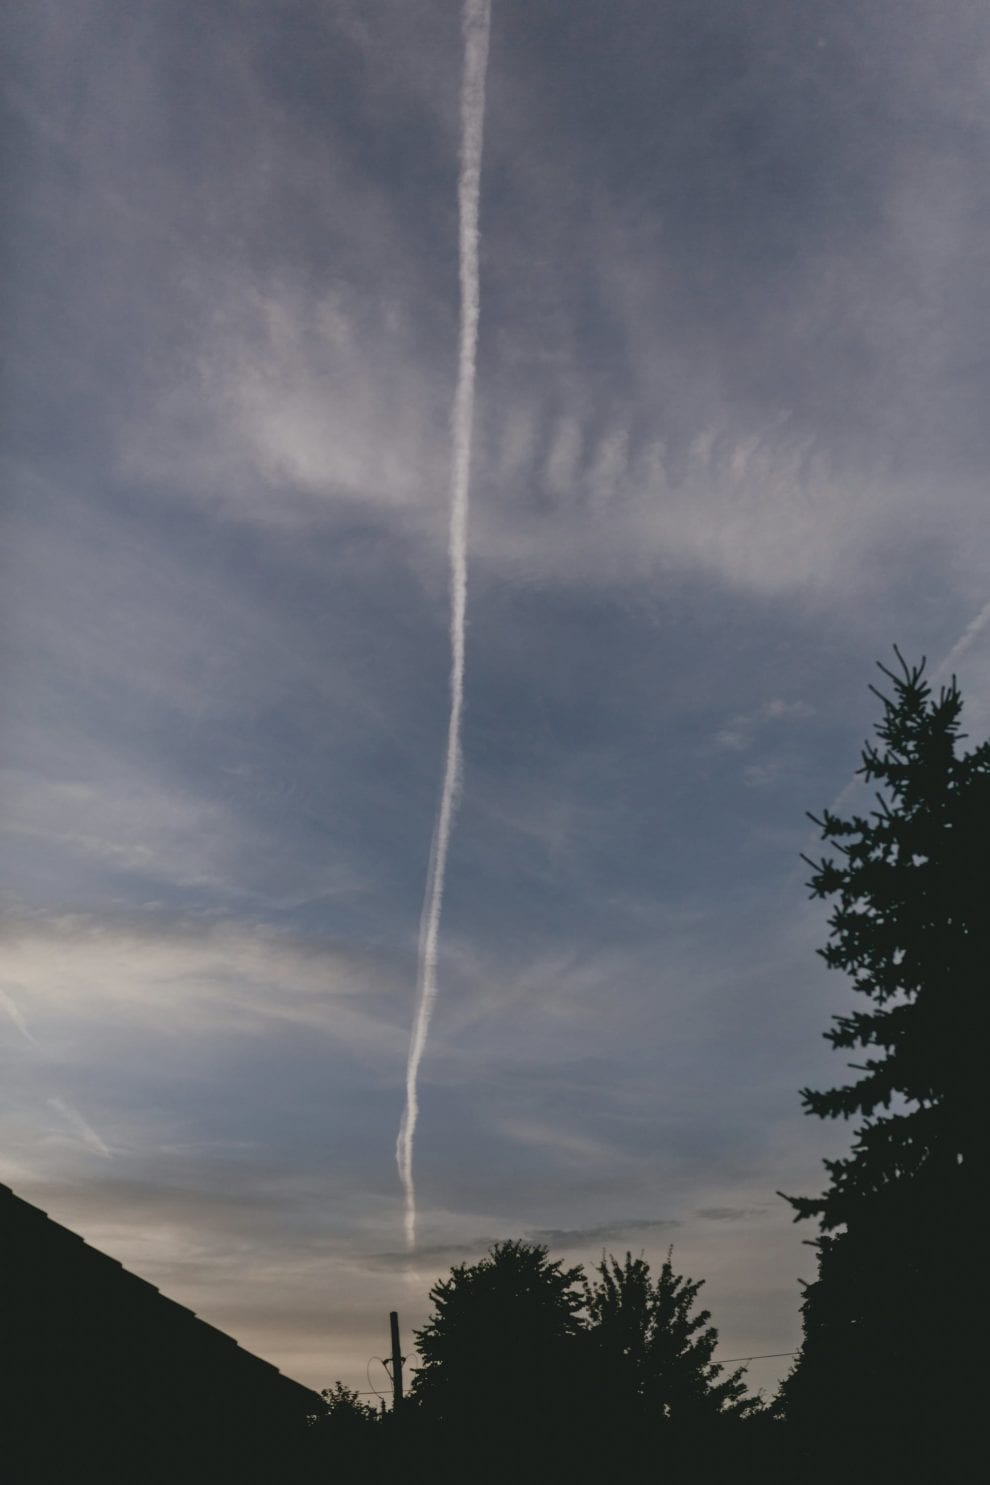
[{"x": 887, "y": 1372}]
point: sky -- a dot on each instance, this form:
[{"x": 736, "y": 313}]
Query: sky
[{"x": 730, "y": 445}]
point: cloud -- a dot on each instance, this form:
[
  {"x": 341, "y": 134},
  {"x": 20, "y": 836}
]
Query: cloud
[
  {"x": 81, "y": 974},
  {"x": 740, "y": 731},
  {"x": 729, "y": 1214},
  {"x": 566, "y": 1144},
  {"x": 439, "y": 1255},
  {"x": 83, "y": 1130},
  {"x": 768, "y": 773},
  {"x": 123, "y": 822},
  {"x": 564, "y": 458},
  {"x": 13, "y": 1011},
  {"x": 579, "y": 1237},
  {"x": 449, "y": 1253},
  {"x": 306, "y": 410},
  {"x": 730, "y": 428},
  {"x": 299, "y": 366}
]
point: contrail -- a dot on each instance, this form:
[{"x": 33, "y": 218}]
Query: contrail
[
  {"x": 972, "y": 631},
  {"x": 476, "y": 21},
  {"x": 14, "y": 1013},
  {"x": 84, "y": 1131},
  {"x": 962, "y": 644}
]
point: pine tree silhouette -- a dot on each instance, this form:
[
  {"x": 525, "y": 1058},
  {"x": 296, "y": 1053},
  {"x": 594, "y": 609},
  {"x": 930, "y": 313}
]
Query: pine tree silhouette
[{"x": 886, "y": 1375}]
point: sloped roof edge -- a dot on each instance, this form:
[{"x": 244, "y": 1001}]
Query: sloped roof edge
[{"x": 18, "y": 1211}]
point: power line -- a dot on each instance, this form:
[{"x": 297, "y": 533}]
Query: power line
[
  {"x": 367, "y": 1372},
  {"x": 722, "y": 1361}
]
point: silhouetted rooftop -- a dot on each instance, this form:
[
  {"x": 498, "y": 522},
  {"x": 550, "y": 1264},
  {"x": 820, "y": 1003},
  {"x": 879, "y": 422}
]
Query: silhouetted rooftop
[{"x": 102, "y": 1371}]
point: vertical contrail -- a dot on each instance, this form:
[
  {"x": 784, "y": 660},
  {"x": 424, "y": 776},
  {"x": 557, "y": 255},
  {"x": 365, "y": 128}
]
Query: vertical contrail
[{"x": 476, "y": 19}]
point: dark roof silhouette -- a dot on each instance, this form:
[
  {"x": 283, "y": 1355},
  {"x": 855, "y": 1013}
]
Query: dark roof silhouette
[{"x": 103, "y": 1377}]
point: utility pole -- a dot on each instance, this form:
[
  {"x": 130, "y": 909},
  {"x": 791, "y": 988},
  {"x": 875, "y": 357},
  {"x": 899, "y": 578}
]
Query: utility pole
[{"x": 397, "y": 1360}]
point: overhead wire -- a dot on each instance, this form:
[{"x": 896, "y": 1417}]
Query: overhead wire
[
  {"x": 726, "y": 1361},
  {"x": 367, "y": 1372}
]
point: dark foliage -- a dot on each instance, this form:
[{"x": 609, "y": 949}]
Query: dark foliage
[
  {"x": 887, "y": 1372},
  {"x": 654, "y": 1393},
  {"x": 531, "y": 1369},
  {"x": 498, "y": 1354},
  {"x": 652, "y": 1356},
  {"x": 345, "y": 1437}
]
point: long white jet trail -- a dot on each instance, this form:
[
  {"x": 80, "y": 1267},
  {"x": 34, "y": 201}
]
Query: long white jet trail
[{"x": 476, "y": 22}]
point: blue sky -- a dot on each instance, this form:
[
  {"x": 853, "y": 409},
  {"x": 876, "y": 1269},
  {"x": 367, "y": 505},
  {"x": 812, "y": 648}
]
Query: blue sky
[{"x": 730, "y": 445}]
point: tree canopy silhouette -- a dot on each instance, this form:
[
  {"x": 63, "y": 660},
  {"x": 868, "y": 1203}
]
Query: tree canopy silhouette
[
  {"x": 888, "y": 1343},
  {"x": 498, "y": 1365},
  {"x": 343, "y": 1437},
  {"x": 499, "y": 1332},
  {"x": 654, "y": 1356},
  {"x": 555, "y": 1376}
]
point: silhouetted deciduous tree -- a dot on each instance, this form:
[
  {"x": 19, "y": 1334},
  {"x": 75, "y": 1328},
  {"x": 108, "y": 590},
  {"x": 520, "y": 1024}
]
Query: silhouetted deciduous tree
[
  {"x": 343, "y": 1441},
  {"x": 344, "y": 1410},
  {"x": 499, "y": 1332},
  {"x": 888, "y": 1367},
  {"x": 653, "y": 1354},
  {"x": 659, "y": 1400},
  {"x": 531, "y": 1370}
]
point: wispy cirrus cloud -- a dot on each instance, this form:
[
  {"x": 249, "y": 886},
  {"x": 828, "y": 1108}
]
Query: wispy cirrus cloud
[
  {"x": 153, "y": 971},
  {"x": 731, "y": 442},
  {"x": 80, "y": 1127},
  {"x": 739, "y": 732}
]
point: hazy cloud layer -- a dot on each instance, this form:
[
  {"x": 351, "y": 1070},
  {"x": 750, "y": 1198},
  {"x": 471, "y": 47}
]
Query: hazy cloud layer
[{"x": 730, "y": 444}]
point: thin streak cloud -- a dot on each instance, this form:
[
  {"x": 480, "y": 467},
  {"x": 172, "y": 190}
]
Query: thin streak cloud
[
  {"x": 80, "y": 1127},
  {"x": 477, "y": 19},
  {"x": 13, "y": 1011}
]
